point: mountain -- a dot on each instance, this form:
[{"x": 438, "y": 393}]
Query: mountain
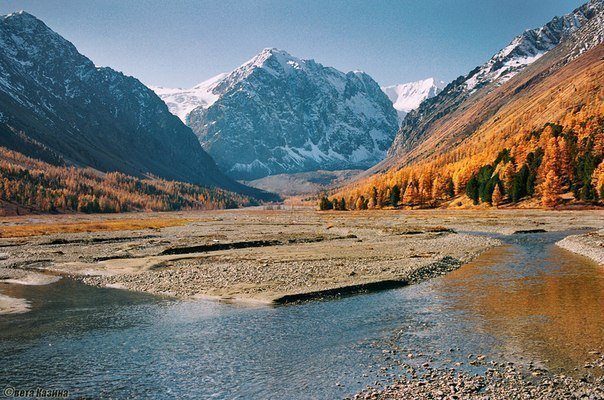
[
  {"x": 305, "y": 183},
  {"x": 182, "y": 101},
  {"x": 408, "y": 96},
  {"x": 280, "y": 114},
  {"x": 523, "y": 51},
  {"x": 536, "y": 137},
  {"x": 57, "y": 106}
]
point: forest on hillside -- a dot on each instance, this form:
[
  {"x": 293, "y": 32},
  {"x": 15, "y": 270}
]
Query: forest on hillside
[
  {"x": 31, "y": 185},
  {"x": 542, "y": 147},
  {"x": 557, "y": 161}
]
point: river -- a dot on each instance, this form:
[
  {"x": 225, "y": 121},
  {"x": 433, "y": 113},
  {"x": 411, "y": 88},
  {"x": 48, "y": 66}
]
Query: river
[{"x": 525, "y": 301}]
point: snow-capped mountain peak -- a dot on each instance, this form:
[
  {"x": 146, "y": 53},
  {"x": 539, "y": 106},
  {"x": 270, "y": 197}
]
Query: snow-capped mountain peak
[
  {"x": 203, "y": 95},
  {"x": 182, "y": 101},
  {"x": 408, "y": 96},
  {"x": 271, "y": 58},
  {"x": 277, "y": 113}
]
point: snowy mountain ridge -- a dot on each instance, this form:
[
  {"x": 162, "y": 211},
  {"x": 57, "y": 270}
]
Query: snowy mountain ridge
[
  {"x": 277, "y": 113},
  {"x": 531, "y": 45},
  {"x": 408, "y": 96},
  {"x": 182, "y": 101}
]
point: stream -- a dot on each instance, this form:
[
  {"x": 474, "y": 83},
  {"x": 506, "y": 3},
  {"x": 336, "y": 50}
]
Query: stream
[{"x": 527, "y": 300}]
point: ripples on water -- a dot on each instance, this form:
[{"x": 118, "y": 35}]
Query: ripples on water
[{"x": 527, "y": 299}]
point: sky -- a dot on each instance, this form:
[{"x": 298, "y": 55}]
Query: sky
[{"x": 179, "y": 43}]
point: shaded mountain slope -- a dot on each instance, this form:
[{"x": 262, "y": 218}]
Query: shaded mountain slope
[{"x": 55, "y": 104}]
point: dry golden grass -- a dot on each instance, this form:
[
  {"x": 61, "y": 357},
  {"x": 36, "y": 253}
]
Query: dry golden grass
[{"x": 95, "y": 226}]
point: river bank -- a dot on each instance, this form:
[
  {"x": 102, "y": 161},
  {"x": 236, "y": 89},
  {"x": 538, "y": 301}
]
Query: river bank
[
  {"x": 590, "y": 245},
  {"x": 251, "y": 255},
  {"x": 263, "y": 256},
  {"x": 504, "y": 381}
]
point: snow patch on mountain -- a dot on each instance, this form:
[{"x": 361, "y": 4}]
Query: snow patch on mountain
[
  {"x": 408, "y": 96},
  {"x": 181, "y": 102},
  {"x": 531, "y": 45}
]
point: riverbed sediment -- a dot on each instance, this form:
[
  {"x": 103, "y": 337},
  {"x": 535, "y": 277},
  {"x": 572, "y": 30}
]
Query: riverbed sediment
[
  {"x": 267, "y": 256},
  {"x": 590, "y": 245}
]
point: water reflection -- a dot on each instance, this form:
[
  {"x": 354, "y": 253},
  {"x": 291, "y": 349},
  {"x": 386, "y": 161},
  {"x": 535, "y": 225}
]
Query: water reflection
[{"x": 540, "y": 301}]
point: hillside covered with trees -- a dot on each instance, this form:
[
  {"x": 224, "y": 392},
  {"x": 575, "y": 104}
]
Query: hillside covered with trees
[
  {"x": 29, "y": 185},
  {"x": 544, "y": 146}
]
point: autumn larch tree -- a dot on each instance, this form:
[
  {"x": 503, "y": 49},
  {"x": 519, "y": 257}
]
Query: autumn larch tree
[
  {"x": 497, "y": 196},
  {"x": 551, "y": 189}
]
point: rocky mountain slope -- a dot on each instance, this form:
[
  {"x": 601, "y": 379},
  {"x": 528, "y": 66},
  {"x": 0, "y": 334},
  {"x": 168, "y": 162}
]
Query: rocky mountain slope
[
  {"x": 537, "y": 137},
  {"x": 56, "y": 105},
  {"x": 280, "y": 114},
  {"x": 407, "y": 97},
  {"x": 523, "y": 51}
]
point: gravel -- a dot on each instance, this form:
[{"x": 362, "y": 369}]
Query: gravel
[
  {"x": 590, "y": 245},
  {"x": 269, "y": 273},
  {"x": 499, "y": 381}
]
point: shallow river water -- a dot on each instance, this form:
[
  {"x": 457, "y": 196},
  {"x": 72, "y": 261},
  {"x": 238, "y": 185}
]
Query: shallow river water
[{"x": 525, "y": 301}]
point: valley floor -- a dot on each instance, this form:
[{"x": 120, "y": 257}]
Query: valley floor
[{"x": 259, "y": 255}]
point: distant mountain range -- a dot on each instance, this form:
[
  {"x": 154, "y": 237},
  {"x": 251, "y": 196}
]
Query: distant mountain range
[
  {"x": 280, "y": 114},
  {"x": 57, "y": 106},
  {"x": 305, "y": 142},
  {"x": 406, "y": 97}
]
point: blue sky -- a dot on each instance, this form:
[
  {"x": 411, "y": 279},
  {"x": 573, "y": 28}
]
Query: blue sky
[{"x": 179, "y": 43}]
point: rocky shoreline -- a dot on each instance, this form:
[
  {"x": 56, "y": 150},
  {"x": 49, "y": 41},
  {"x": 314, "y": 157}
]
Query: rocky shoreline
[
  {"x": 590, "y": 245},
  {"x": 500, "y": 380}
]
